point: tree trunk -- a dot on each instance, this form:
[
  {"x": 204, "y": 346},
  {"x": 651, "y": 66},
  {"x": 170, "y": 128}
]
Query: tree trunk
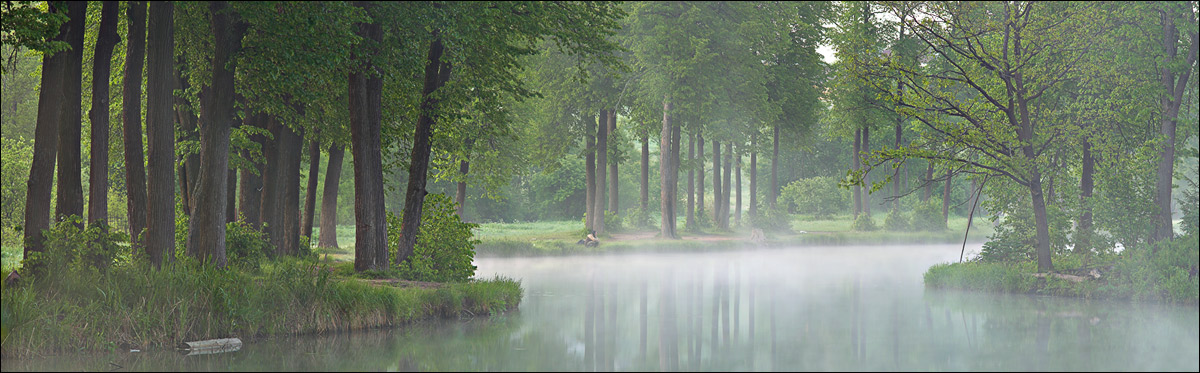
[
  {"x": 753, "y": 178},
  {"x": 310, "y": 194},
  {"x": 857, "y": 146},
  {"x": 45, "y": 148},
  {"x": 70, "y": 184},
  {"x": 272, "y": 182},
  {"x": 726, "y": 187},
  {"x": 206, "y": 234},
  {"x": 690, "y": 221},
  {"x": 460, "y": 194},
  {"x": 1083, "y": 229},
  {"x": 1170, "y": 100},
  {"x": 667, "y": 201},
  {"x": 613, "y": 197},
  {"x": 601, "y": 173},
  {"x": 290, "y": 150},
  {"x": 365, "y": 107},
  {"x": 333, "y": 175},
  {"x": 700, "y": 173},
  {"x": 135, "y": 171},
  {"x": 160, "y": 134},
  {"x": 251, "y": 186},
  {"x": 437, "y": 73},
  {"x": 928, "y": 182},
  {"x": 946, "y": 196},
  {"x": 106, "y": 39},
  {"x": 645, "y": 173},
  {"x": 590, "y": 172},
  {"x": 231, "y": 196},
  {"x": 1043, "y": 225},
  {"x": 716, "y": 211},
  {"x": 896, "y": 174},
  {"x": 866, "y": 151},
  {"x": 774, "y": 192},
  {"x": 737, "y": 192},
  {"x": 676, "y": 147}
]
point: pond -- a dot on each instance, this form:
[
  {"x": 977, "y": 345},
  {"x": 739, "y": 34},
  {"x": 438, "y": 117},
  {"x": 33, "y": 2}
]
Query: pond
[{"x": 810, "y": 308}]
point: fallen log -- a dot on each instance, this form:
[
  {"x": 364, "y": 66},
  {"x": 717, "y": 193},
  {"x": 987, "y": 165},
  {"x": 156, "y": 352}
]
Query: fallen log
[{"x": 211, "y": 346}]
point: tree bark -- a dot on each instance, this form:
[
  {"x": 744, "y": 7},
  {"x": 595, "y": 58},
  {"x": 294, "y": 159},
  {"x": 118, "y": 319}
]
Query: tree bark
[
  {"x": 857, "y": 145},
  {"x": 737, "y": 192},
  {"x": 666, "y": 173},
  {"x": 333, "y": 174},
  {"x": 590, "y": 170},
  {"x": 645, "y": 173},
  {"x": 272, "y": 182},
  {"x": 187, "y": 121},
  {"x": 613, "y": 197},
  {"x": 45, "y": 148},
  {"x": 689, "y": 221},
  {"x": 716, "y": 211},
  {"x": 365, "y": 108},
  {"x": 1170, "y": 100},
  {"x": 601, "y": 163},
  {"x": 251, "y": 186},
  {"x": 206, "y": 234},
  {"x": 946, "y": 196},
  {"x": 753, "y": 177},
  {"x": 310, "y": 194},
  {"x": 928, "y": 183},
  {"x": 290, "y": 150},
  {"x": 1083, "y": 229},
  {"x": 774, "y": 192},
  {"x": 866, "y": 151},
  {"x": 700, "y": 173},
  {"x": 135, "y": 171},
  {"x": 70, "y": 183},
  {"x": 231, "y": 196},
  {"x": 437, "y": 73},
  {"x": 726, "y": 187},
  {"x": 160, "y": 134},
  {"x": 106, "y": 40}
]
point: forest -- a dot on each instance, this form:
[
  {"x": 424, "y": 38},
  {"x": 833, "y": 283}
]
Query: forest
[{"x": 202, "y": 146}]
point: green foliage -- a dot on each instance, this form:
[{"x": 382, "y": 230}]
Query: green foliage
[
  {"x": 245, "y": 246},
  {"x": 927, "y": 216},
  {"x": 1015, "y": 238},
  {"x": 819, "y": 196},
  {"x": 636, "y": 218},
  {"x": 445, "y": 245},
  {"x": 68, "y": 248},
  {"x": 864, "y": 223},
  {"x": 1191, "y": 209},
  {"x": 775, "y": 220},
  {"x": 613, "y": 222},
  {"x": 896, "y": 221},
  {"x": 17, "y": 155},
  {"x": 28, "y": 25}
]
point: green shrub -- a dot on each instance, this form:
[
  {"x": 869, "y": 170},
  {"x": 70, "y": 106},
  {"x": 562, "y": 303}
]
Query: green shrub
[
  {"x": 864, "y": 223},
  {"x": 1191, "y": 209},
  {"x": 612, "y": 222},
  {"x": 636, "y": 218},
  {"x": 68, "y": 248},
  {"x": 896, "y": 221},
  {"x": 769, "y": 219},
  {"x": 819, "y": 196},
  {"x": 246, "y": 246},
  {"x": 445, "y": 244},
  {"x": 17, "y": 155},
  {"x": 927, "y": 216}
]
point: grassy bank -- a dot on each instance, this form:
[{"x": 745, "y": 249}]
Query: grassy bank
[
  {"x": 133, "y": 307},
  {"x": 1161, "y": 273},
  {"x": 560, "y": 237}
]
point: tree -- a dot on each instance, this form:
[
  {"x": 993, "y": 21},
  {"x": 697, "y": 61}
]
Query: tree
[
  {"x": 160, "y": 133},
  {"x": 45, "y": 145},
  {"x": 333, "y": 173},
  {"x": 25, "y": 26},
  {"x": 70, "y": 186},
  {"x": 106, "y": 39},
  {"x": 131, "y": 114},
  {"x": 365, "y": 94},
  {"x": 1175, "y": 74}
]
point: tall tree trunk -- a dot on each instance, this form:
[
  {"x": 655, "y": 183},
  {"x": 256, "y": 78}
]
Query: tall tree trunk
[
  {"x": 716, "y": 211},
  {"x": 251, "y": 186},
  {"x": 857, "y": 146},
  {"x": 601, "y": 163},
  {"x": 774, "y": 192},
  {"x": 437, "y": 72},
  {"x": 160, "y": 134},
  {"x": 690, "y": 221},
  {"x": 45, "y": 147},
  {"x": 1170, "y": 100},
  {"x": 290, "y": 150},
  {"x": 645, "y": 173},
  {"x": 866, "y": 151},
  {"x": 928, "y": 183},
  {"x": 667, "y": 201},
  {"x": 676, "y": 150},
  {"x": 365, "y": 106},
  {"x": 206, "y": 234},
  {"x": 106, "y": 39},
  {"x": 70, "y": 184},
  {"x": 737, "y": 192},
  {"x": 726, "y": 187},
  {"x": 310, "y": 194},
  {"x": 700, "y": 173},
  {"x": 272, "y": 182},
  {"x": 753, "y": 179},
  {"x": 613, "y": 197},
  {"x": 946, "y": 196},
  {"x": 329, "y": 209},
  {"x": 1083, "y": 229},
  {"x": 590, "y": 172},
  {"x": 231, "y": 186},
  {"x": 1043, "y": 225},
  {"x": 135, "y": 171}
]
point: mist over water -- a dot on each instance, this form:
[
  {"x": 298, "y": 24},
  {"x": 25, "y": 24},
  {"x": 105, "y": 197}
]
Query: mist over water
[{"x": 809, "y": 308}]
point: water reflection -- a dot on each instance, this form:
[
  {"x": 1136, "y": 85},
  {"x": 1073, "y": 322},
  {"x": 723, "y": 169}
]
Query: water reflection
[{"x": 842, "y": 308}]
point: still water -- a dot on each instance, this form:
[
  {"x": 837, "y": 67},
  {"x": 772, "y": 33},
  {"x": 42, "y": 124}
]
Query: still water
[{"x": 812, "y": 308}]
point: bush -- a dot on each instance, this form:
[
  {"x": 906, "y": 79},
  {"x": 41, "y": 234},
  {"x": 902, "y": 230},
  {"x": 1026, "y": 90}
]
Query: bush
[
  {"x": 246, "y": 246},
  {"x": 612, "y": 222},
  {"x": 864, "y": 223},
  {"x": 636, "y": 218},
  {"x": 17, "y": 155},
  {"x": 769, "y": 219},
  {"x": 819, "y": 196},
  {"x": 896, "y": 221},
  {"x": 1191, "y": 209},
  {"x": 927, "y": 216},
  {"x": 68, "y": 248},
  {"x": 445, "y": 244}
]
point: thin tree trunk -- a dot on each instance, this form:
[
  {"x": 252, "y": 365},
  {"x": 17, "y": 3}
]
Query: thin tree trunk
[
  {"x": 866, "y": 151},
  {"x": 251, "y": 186},
  {"x": 310, "y": 194},
  {"x": 774, "y": 192},
  {"x": 70, "y": 183},
  {"x": 700, "y": 174},
  {"x": 160, "y": 134},
  {"x": 645, "y": 173},
  {"x": 753, "y": 178},
  {"x": 716, "y": 211},
  {"x": 45, "y": 148},
  {"x": 590, "y": 172},
  {"x": 437, "y": 73},
  {"x": 1083, "y": 230},
  {"x": 1171, "y": 98},
  {"x": 737, "y": 192},
  {"x": 690, "y": 221},
  {"x": 333, "y": 175},
  {"x": 135, "y": 172},
  {"x": 857, "y": 145},
  {"x": 231, "y": 196},
  {"x": 206, "y": 234},
  {"x": 106, "y": 40},
  {"x": 613, "y": 197},
  {"x": 667, "y": 223},
  {"x": 365, "y": 106},
  {"x": 726, "y": 187},
  {"x": 946, "y": 196},
  {"x": 896, "y": 174},
  {"x": 601, "y": 172},
  {"x": 928, "y": 183}
]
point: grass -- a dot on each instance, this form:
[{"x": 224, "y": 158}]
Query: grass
[{"x": 1163, "y": 272}]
